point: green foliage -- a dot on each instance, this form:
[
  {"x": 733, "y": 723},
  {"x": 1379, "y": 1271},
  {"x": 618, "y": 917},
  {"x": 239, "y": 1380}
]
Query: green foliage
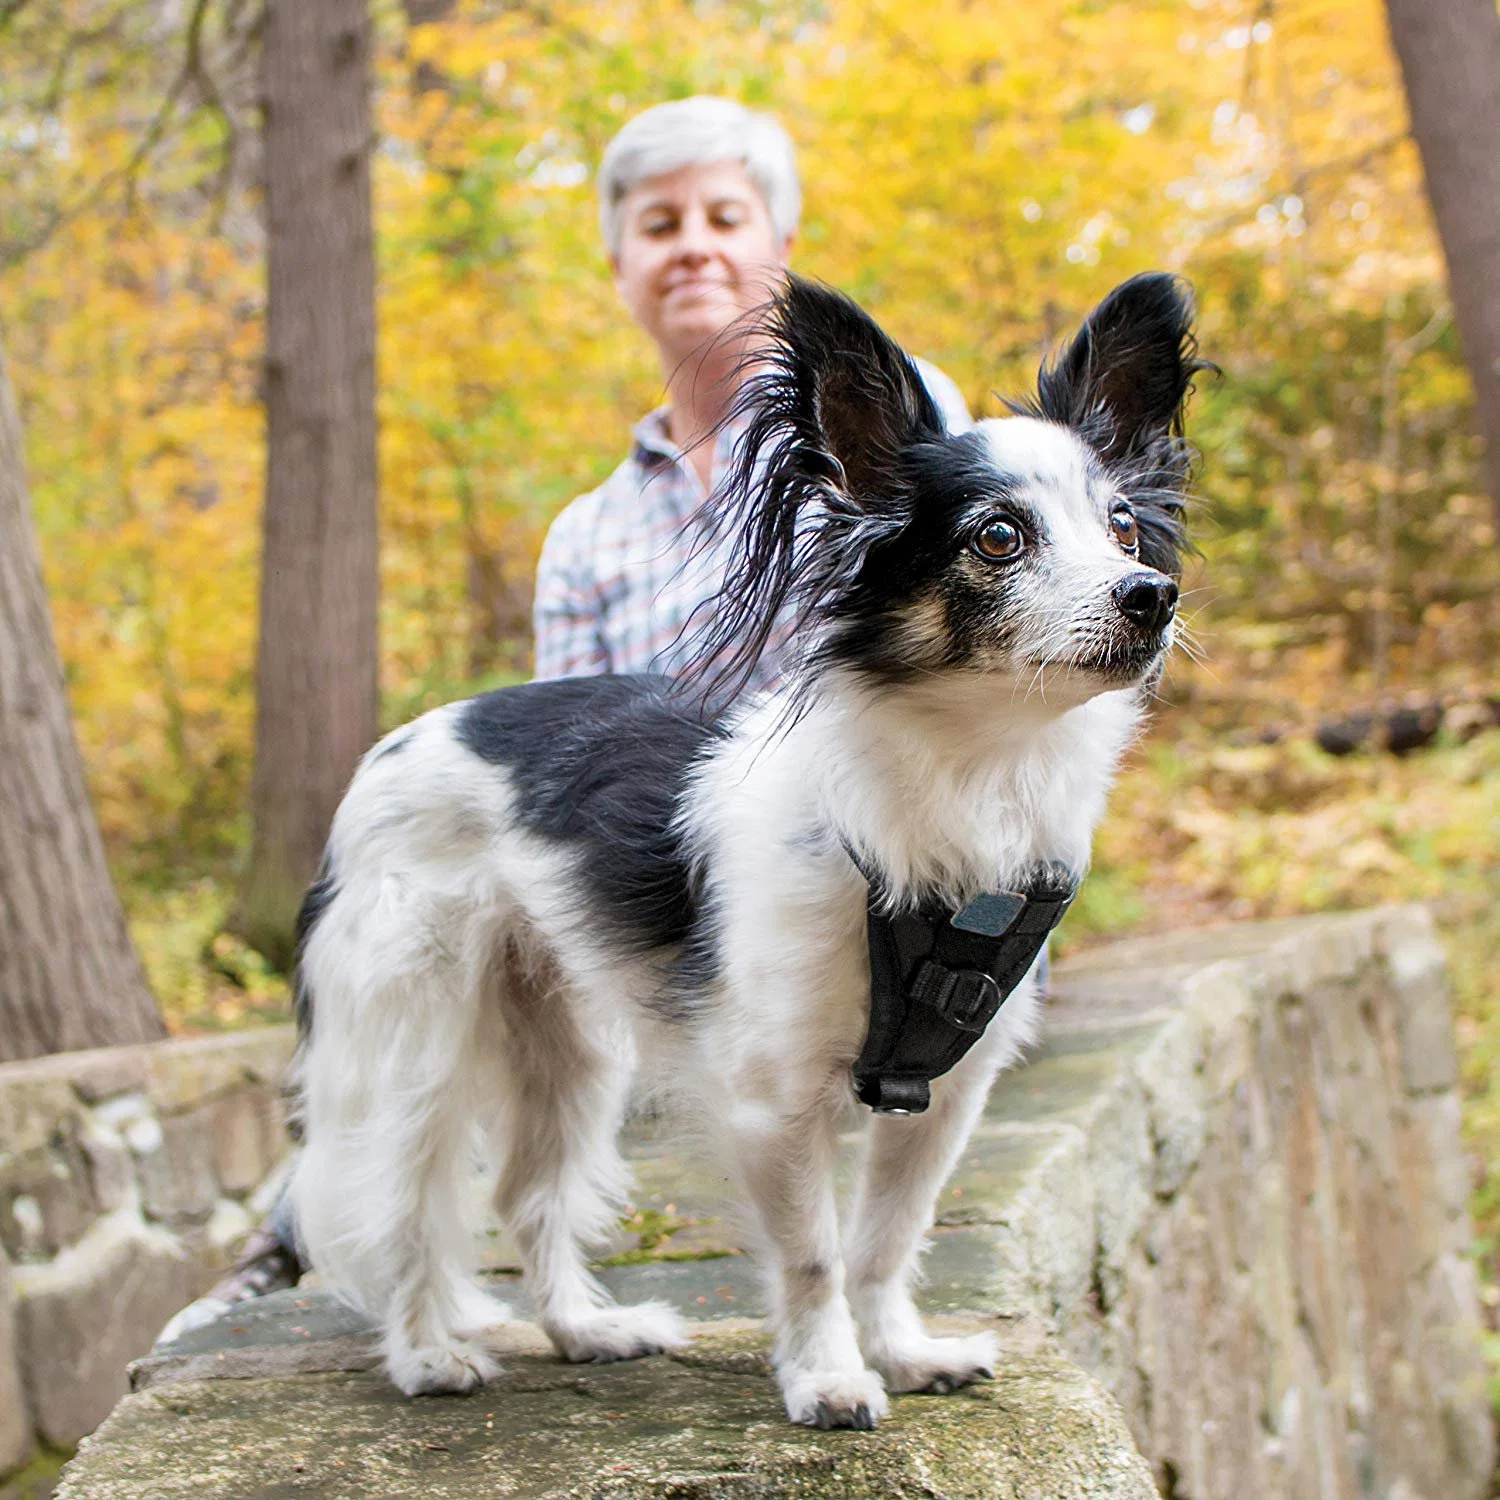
[
  {"x": 205, "y": 978},
  {"x": 653, "y": 1230}
]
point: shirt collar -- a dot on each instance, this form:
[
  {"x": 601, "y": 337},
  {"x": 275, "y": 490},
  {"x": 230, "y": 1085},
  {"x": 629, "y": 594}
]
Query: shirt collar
[
  {"x": 653, "y": 442},
  {"x": 654, "y": 445}
]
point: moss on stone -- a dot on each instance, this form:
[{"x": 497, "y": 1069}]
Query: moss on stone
[{"x": 38, "y": 1479}]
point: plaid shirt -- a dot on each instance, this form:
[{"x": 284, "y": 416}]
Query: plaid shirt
[{"x": 623, "y": 569}]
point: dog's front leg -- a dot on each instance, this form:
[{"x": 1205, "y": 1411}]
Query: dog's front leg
[
  {"x": 786, "y": 1160},
  {"x": 906, "y": 1163}
]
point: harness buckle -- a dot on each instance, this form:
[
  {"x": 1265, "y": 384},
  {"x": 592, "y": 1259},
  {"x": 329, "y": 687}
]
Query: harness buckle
[
  {"x": 966, "y": 998},
  {"x": 897, "y": 1095}
]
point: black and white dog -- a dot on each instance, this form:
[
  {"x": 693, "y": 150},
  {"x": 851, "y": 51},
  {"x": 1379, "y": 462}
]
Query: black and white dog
[{"x": 528, "y": 894}]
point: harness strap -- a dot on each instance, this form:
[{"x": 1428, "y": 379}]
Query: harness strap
[{"x": 938, "y": 977}]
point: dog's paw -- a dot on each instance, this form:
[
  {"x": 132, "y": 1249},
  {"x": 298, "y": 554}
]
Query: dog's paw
[
  {"x": 834, "y": 1398},
  {"x": 478, "y": 1313},
  {"x": 442, "y": 1369},
  {"x": 938, "y": 1365},
  {"x": 604, "y": 1334}
]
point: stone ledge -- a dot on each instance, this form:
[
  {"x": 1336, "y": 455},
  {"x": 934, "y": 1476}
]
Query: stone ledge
[
  {"x": 706, "y": 1424},
  {"x": 1229, "y": 1188},
  {"x": 174, "y": 1074},
  {"x": 79, "y": 1317}
]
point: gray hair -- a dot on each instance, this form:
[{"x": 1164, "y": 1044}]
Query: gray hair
[{"x": 694, "y": 132}]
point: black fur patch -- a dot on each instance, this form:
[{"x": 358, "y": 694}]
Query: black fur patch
[
  {"x": 948, "y": 481},
  {"x": 319, "y": 897},
  {"x": 600, "y": 764},
  {"x": 822, "y": 472}
]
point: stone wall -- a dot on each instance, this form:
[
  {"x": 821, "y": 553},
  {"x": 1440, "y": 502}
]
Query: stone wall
[
  {"x": 1254, "y": 1228},
  {"x": 1222, "y": 1210},
  {"x": 126, "y": 1178}
]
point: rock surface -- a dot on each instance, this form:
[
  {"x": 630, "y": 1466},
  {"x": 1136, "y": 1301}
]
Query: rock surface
[
  {"x": 1228, "y": 1193},
  {"x": 705, "y": 1424},
  {"x": 15, "y": 1420},
  {"x": 79, "y": 1317},
  {"x": 126, "y": 1175}
]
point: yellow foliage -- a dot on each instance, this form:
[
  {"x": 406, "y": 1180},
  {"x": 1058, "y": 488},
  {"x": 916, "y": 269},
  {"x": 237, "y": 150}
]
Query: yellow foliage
[{"x": 977, "y": 175}]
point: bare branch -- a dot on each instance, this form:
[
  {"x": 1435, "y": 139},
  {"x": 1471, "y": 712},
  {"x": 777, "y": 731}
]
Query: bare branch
[
  {"x": 196, "y": 70},
  {"x": 193, "y": 75}
]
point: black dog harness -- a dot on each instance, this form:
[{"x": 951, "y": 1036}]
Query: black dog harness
[{"x": 938, "y": 977}]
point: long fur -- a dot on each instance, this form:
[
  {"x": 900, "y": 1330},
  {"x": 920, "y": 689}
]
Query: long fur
[{"x": 528, "y": 895}]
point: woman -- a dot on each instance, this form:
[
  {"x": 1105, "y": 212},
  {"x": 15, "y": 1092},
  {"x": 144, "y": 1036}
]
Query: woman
[{"x": 699, "y": 203}]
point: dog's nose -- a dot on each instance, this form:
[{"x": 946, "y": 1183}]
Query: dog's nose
[{"x": 1147, "y": 599}]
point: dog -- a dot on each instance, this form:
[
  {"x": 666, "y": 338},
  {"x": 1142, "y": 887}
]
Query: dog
[{"x": 529, "y": 893}]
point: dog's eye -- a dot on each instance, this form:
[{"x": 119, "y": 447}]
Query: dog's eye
[
  {"x": 1127, "y": 533},
  {"x": 998, "y": 540}
]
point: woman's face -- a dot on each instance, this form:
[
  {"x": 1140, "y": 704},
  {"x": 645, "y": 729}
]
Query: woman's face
[{"x": 697, "y": 249}]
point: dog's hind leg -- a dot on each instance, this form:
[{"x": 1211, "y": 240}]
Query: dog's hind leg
[
  {"x": 562, "y": 1182},
  {"x": 384, "y": 1189},
  {"x": 906, "y": 1163}
]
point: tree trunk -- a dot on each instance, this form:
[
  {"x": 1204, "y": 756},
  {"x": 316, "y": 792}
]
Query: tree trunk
[
  {"x": 69, "y": 977},
  {"x": 316, "y": 679},
  {"x": 1450, "y": 57}
]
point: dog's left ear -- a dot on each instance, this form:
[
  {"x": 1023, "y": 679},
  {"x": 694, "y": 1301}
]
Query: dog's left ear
[
  {"x": 1121, "y": 384},
  {"x": 1122, "y": 380}
]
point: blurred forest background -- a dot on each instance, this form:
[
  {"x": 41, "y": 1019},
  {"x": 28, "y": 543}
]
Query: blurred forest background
[{"x": 977, "y": 175}]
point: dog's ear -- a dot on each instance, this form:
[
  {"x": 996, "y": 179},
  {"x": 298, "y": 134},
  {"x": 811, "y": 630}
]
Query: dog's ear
[
  {"x": 1122, "y": 380},
  {"x": 853, "y": 396},
  {"x": 1121, "y": 384},
  {"x": 830, "y": 408}
]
